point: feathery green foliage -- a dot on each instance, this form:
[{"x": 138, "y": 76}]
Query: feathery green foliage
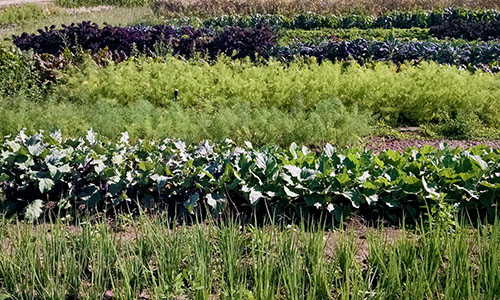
[
  {"x": 329, "y": 121},
  {"x": 19, "y": 14},
  {"x": 17, "y": 76},
  {"x": 408, "y": 95}
]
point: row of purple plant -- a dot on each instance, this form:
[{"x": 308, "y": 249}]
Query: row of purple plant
[
  {"x": 123, "y": 41},
  {"x": 259, "y": 41}
]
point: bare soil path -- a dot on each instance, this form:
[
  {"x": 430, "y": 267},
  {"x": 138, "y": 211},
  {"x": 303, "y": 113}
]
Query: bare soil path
[
  {"x": 415, "y": 139},
  {"x": 14, "y": 2},
  {"x": 381, "y": 143}
]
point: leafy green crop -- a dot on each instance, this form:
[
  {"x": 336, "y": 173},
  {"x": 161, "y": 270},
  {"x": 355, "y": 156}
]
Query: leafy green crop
[
  {"x": 264, "y": 103},
  {"x": 324, "y": 19},
  {"x": 45, "y": 171},
  {"x": 17, "y": 75},
  {"x": 287, "y": 37},
  {"x": 11, "y": 15},
  {"x": 408, "y": 95}
]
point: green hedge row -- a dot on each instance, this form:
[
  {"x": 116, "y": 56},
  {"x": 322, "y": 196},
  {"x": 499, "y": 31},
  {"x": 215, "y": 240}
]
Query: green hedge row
[
  {"x": 316, "y": 36},
  {"x": 393, "y": 19},
  {"x": 44, "y": 173}
]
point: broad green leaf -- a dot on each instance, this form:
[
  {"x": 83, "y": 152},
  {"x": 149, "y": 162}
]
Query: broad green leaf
[
  {"x": 161, "y": 181},
  {"x": 480, "y": 162},
  {"x": 254, "y": 196},
  {"x": 371, "y": 199},
  {"x": 192, "y": 202},
  {"x": 289, "y": 193},
  {"x": 488, "y": 185},
  {"x": 369, "y": 185},
  {"x": 293, "y": 170},
  {"x": 145, "y": 166},
  {"x": 33, "y": 210},
  {"x": 214, "y": 199},
  {"x": 45, "y": 184},
  {"x": 115, "y": 188},
  {"x": 432, "y": 191},
  {"x": 311, "y": 200},
  {"x": 342, "y": 178},
  {"x": 91, "y": 196},
  {"x": 354, "y": 196},
  {"x": 411, "y": 180}
]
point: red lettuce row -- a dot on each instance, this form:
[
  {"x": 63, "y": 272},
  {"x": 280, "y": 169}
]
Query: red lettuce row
[
  {"x": 123, "y": 41},
  {"x": 260, "y": 41}
]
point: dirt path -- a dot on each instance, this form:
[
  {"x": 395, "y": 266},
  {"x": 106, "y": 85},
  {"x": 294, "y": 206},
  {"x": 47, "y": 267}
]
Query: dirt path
[
  {"x": 381, "y": 144},
  {"x": 12, "y": 2},
  {"x": 415, "y": 139}
]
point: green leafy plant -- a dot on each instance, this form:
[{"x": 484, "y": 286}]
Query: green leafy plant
[
  {"x": 461, "y": 125},
  {"x": 18, "y": 75},
  {"x": 286, "y": 37},
  {"x": 20, "y": 14},
  {"x": 406, "y": 95},
  {"x": 93, "y": 175}
]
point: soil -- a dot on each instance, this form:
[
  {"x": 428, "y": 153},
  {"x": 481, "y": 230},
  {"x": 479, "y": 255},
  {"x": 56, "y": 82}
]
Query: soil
[
  {"x": 412, "y": 137},
  {"x": 360, "y": 232},
  {"x": 356, "y": 228},
  {"x": 384, "y": 143}
]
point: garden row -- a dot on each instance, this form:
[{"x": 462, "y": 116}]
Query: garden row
[
  {"x": 286, "y": 37},
  {"x": 481, "y": 20},
  {"x": 396, "y": 19},
  {"x": 276, "y": 103},
  {"x": 119, "y": 43},
  {"x": 208, "y": 7},
  {"x": 146, "y": 258},
  {"x": 456, "y": 24},
  {"x": 44, "y": 174}
]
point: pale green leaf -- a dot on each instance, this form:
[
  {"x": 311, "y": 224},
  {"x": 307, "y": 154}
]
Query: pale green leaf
[
  {"x": 45, "y": 184},
  {"x": 33, "y": 210}
]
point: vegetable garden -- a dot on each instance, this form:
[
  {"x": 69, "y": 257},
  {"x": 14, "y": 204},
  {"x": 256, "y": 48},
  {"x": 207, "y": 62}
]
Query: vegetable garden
[{"x": 192, "y": 149}]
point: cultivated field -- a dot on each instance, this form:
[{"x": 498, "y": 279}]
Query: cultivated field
[{"x": 251, "y": 149}]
